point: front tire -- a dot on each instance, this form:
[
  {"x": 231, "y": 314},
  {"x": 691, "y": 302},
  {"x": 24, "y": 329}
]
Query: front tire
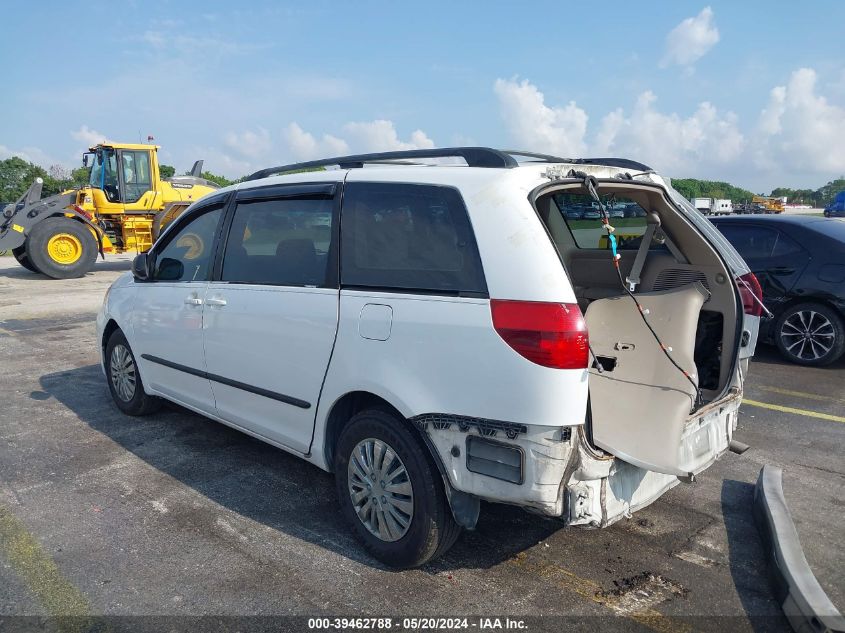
[
  {"x": 125, "y": 385},
  {"x": 23, "y": 260},
  {"x": 61, "y": 248},
  {"x": 390, "y": 491},
  {"x": 810, "y": 334}
]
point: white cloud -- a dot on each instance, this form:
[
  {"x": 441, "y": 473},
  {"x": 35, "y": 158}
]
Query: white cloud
[
  {"x": 30, "y": 154},
  {"x": 534, "y": 125},
  {"x": 690, "y": 40},
  {"x": 665, "y": 141},
  {"x": 251, "y": 145},
  {"x": 799, "y": 129},
  {"x": 88, "y": 136},
  {"x": 799, "y": 134},
  {"x": 303, "y": 145},
  {"x": 381, "y": 136},
  {"x": 668, "y": 141},
  {"x": 155, "y": 39},
  {"x": 218, "y": 161},
  {"x": 242, "y": 153},
  {"x": 369, "y": 136},
  {"x": 169, "y": 39}
]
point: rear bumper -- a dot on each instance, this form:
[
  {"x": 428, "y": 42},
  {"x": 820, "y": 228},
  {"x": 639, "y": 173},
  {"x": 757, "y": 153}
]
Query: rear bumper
[
  {"x": 545, "y": 453},
  {"x": 562, "y": 476}
]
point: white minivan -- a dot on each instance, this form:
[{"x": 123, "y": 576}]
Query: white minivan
[{"x": 439, "y": 334}]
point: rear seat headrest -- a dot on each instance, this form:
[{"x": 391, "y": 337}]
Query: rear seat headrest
[{"x": 296, "y": 248}]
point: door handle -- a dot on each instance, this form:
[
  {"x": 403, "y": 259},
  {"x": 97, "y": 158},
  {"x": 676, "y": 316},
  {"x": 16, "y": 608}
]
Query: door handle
[
  {"x": 193, "y": 301},
  {"x": 783, "y": 270},
  {"x": 215, "y": 302}
]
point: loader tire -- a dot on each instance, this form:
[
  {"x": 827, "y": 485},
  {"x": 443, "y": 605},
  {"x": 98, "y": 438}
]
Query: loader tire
[
  {"x": 23, "y": 260},
  {"x": 61, "y": 248}
]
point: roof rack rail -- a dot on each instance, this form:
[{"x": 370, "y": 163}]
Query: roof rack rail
[
  {"x": 622, "y": 163},
  {"x": 543, "y": 158},
  {"x": 474, "y": 157}
]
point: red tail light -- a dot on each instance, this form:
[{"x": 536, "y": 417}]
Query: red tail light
[
  {"x": 751, "y": 293},
  {"x": 549, "y": 334}
]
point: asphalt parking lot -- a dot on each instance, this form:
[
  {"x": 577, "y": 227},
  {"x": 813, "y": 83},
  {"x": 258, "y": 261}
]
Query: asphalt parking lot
[{"x": 177, "y": 515}]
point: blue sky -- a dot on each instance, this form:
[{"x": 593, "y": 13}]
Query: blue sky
[{"x": 749, "y": 92}]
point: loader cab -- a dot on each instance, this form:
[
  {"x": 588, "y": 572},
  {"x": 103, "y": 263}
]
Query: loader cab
[{"x": 124, "y": 175}]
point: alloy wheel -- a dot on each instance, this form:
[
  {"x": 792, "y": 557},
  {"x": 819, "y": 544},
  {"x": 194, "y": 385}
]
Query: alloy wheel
[{"x": 807, "y": 335}]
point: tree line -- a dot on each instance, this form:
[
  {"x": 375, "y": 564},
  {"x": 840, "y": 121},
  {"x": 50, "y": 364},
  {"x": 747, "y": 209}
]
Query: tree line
[
  {"x": 695, "y": 188},
  {"x": 17, "y": 174}
]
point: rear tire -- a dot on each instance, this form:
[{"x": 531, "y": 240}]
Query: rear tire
[
  {"x": 810, "y": 334},
  {"x": 23, "y": 260},
  {"x": 397, "y": 509},
  {"x": 61, "y": 248},
  {"x": 125, "y": 385}
]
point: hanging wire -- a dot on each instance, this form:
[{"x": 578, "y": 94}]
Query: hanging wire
[{"x": 589, "y": 181}]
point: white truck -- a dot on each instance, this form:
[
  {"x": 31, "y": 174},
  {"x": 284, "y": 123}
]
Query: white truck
[
  {"x": 711, "y": 206},
  {"x": 705, "y": 205},
  {"x": 722, "y": 206}
]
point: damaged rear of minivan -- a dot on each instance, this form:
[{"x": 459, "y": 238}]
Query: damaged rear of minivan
[{"x": 671, "y": 314}]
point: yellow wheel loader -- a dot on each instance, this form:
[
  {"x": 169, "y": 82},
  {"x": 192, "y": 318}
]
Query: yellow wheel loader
[
  {"x": 769, "y": 205},
  {"x": 124, "y": 206}
]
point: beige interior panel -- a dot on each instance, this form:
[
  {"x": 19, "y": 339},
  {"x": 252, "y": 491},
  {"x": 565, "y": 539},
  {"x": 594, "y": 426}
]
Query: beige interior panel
[{"x": 640, "y": 406}]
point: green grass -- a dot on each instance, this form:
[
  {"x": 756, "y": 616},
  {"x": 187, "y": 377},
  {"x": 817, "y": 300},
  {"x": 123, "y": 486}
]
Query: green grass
[{"x": 616, "y": 222}]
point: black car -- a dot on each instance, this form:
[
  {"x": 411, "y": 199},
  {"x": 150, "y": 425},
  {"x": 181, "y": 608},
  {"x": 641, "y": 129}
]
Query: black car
[{"x": 800, "y": 263}]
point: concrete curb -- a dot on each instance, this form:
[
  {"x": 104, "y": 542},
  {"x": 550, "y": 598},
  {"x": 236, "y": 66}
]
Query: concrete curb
[{"x": 804, "y": 602}]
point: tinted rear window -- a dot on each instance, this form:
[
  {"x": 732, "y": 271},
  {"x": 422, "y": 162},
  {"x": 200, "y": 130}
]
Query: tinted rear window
[
  {"x": 408, "y": 237},
  {"x": 752, "y": 242},
  {"x": 759, "y": 242}
]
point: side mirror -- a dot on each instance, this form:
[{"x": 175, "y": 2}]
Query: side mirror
[
  {"x": 141, "y": 267},
  {"x": 170, "y": 269},
  {"x": 85, "y": 160}
]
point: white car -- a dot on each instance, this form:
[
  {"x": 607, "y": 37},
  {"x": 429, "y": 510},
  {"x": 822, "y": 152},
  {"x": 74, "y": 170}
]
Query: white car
[{"x": 440, "y": 334}]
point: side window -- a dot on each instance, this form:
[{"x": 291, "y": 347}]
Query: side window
[
  {"x": 583, "y": 217},
  {"x": 786, "y": 246},
  {"x": 408, "y": 237},
  {"x": 280, "y": 242},
  {"x": 752, "y": 242},
  {"x": 136, "y": 175},
  {"x": 188, "y": 253}
]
